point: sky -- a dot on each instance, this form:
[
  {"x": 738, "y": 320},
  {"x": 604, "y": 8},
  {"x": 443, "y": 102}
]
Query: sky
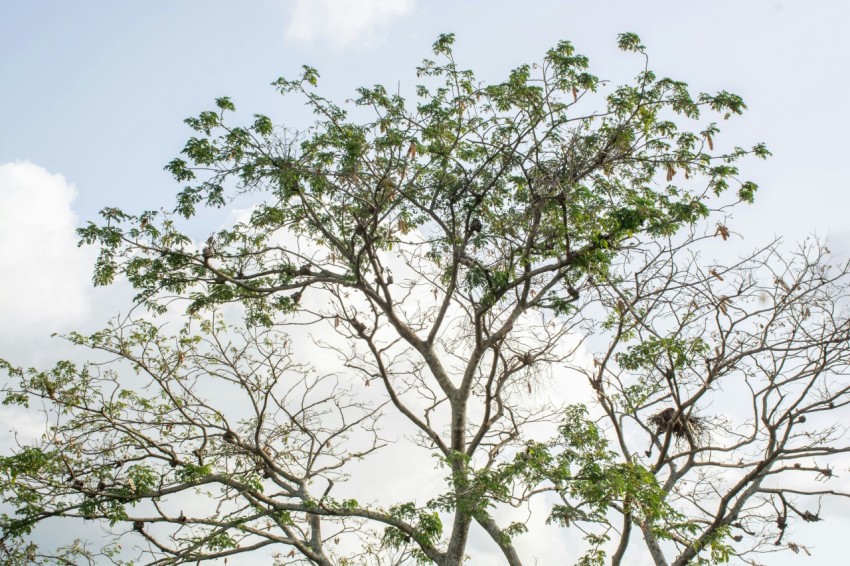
[{"x": 94, "y": 93}]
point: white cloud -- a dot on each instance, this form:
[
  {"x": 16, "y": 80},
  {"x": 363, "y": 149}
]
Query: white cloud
[
  {"x": 343, "y": 23},
  {"x": 45, "y": 276}
]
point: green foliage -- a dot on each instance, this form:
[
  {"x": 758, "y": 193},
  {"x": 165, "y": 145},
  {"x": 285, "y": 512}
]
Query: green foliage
[
  {"x": 719, "y": 551},
  {"x": 629, "y": 42},
  {"x": 143, "y": 479},
  {"x": 588, "y": 471},
  {"x": 220, "y": 541},
  {"x": 662, "y": 352},
  {"x": 462, "y": 152},
  {"x": 595, "y": 556},
  {"x": 427, "y": 528},
  {"x": 513, "y": 530}
]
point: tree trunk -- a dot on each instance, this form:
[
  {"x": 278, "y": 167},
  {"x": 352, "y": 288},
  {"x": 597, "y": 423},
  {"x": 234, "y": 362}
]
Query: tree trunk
[{"x": 456, "y": 552}]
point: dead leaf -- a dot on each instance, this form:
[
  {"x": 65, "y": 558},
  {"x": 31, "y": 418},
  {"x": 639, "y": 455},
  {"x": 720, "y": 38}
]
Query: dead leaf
[
  {"x": 724, "y": 300},
  {"x": 575, "y": 94},
  {"x": 402, "y": 225},
  {"x": 714, "y": 273},
  {"x": 336, "y": 321},
  {"x": 671, "y": 172},
  {"x": 781, "y": 282},
  {"x": 723, "y": 231}
]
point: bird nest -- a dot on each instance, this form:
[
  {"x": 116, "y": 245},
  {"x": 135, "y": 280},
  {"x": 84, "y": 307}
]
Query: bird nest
[{"x": 680, "y": 426}]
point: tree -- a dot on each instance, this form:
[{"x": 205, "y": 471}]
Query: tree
[{"x": 460, "y": 258}]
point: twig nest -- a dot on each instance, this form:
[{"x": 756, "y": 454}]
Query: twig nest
[{"x": 680, "y": 426}]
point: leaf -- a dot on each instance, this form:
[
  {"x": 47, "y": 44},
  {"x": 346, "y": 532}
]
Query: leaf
[
  {"x": 714, "y": 273},
  {"x": 402, "y": 225},
  {"x": 723, "y": 231},
  {"x": 225, "y": 103},
  {"x": 336, "y": 321},
  {"x": 722, "y": 304},
  {"x": 781, "y": 282},
  {"x": 629, "y": 42}
]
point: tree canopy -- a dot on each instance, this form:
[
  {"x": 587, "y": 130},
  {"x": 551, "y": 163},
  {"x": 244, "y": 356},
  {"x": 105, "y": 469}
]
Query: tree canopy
[{"x": 508, "y": 278}]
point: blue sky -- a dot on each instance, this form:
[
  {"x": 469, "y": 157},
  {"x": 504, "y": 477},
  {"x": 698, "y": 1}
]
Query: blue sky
[
  {"x": 94, "y": 93},
  {"x": 97, "y": 91}
]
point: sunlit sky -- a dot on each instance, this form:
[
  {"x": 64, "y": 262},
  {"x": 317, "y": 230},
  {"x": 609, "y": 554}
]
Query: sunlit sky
[{"x": 93, "y": 94}]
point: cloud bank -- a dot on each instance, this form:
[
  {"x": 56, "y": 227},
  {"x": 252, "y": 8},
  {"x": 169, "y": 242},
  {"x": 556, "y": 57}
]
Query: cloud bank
[
  {"x": 45, "y": 275},
  {"x": 343, "y": 23}
]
